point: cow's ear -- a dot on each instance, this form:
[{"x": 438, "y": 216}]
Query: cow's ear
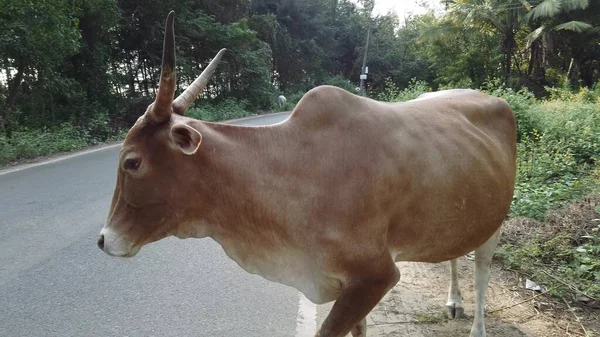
[{"x": 185, "y": 138}]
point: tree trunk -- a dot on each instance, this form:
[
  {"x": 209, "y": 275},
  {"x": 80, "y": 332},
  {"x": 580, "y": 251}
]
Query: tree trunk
[
  {"x": 131, "y": 77},
  {"x": 334, "y": 5},
  {"x": 11, "y": 100},
  {"x": 574, "y": 72},
  {"x": 534, "y": 70},
  {"x": 507, "y": 60},
  {"x": 144, "y": 68},
  {"x": 507, "y": 49},
  {"x": 587, "y": 74},
  {"x": 7, "y": 69}
]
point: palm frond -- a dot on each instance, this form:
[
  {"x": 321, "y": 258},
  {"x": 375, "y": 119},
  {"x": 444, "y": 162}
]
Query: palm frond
[
  {"x": 531, "y": 37},
  {"x": 474, "y": 14},
  {"x": 483, "y": 14},
  {"x": 570, "y": 5},
  {"x": 526, "y": 5},
  {"x": 575, "y": 26},
  {"x": 437, "y": 33},
  {"x": 546, "y": 9}
]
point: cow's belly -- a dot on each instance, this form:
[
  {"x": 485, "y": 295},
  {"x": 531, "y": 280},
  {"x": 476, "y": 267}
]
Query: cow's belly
[{"x": 441, "y": 229}]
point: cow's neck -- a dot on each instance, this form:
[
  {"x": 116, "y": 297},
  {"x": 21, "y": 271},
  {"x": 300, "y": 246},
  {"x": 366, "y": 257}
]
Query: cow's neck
[{"x": 245, "y": 168}]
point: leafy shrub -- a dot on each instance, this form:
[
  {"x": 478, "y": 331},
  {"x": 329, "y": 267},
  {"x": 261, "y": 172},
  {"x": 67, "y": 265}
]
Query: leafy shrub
[
  {"x": 547, "y": 176},
  {"x": 98, "y": 129},
  {"x": 392, "y": 93},
  {"x": 229, "y": 108},
  {"x": 7, "y": 150},
  {"x": 573, "y": 125},
  {"x": 341, "y": 82},
  {"x": 26, "y": 143},
  {"x": 565, "y": 93}
]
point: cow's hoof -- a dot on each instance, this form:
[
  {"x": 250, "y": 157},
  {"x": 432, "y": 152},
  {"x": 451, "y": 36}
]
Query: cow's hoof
[{"x": 455, "y": 312}]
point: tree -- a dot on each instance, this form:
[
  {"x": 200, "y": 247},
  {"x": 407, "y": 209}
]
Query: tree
[
  {"x": 570, "y": 21},
  {"x": 502, "y": 17},
  {"x": 456, "y": 55},
  {"x": 35, "y": 38}
]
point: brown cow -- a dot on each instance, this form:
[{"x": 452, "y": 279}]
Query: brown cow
[{"x": 327, "y": 200}]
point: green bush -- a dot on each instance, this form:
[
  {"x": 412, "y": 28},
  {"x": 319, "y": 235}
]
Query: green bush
[
  {"x": 8, "y": 152},
  {"x": 547, "y": 176},
  {"x": 341, "y": 82},
  {"x": 26, "y": 143},
  {"x": 98, "y": 129},
  {"x": 229, "y": 108},
  {"x": 571, "y": 125},
  {"x": 392, "y": 93},
  {"x": 568, "y": 120}
]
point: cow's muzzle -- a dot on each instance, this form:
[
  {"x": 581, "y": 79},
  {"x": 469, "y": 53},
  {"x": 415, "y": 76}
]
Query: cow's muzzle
[
  {"x": 101, "y": 242},
  {"x": 114, "y": 244}
]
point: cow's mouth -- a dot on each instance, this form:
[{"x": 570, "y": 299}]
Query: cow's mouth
[{"x": 131, "y": 253}]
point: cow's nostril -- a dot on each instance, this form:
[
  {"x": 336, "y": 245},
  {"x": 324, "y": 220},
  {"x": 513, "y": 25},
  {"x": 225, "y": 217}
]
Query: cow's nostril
[{"x": 101, "y": 241}]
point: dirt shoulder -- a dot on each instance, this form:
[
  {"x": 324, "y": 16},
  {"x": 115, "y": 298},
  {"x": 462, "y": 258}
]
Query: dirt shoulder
[{"x": 415, "y": 307}]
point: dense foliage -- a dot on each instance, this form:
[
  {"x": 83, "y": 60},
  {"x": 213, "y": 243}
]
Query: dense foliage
[{"x": 90, "y": 62}]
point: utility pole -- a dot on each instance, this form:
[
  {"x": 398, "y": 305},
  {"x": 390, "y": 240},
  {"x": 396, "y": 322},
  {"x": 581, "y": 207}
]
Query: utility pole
[{"x": 364, "y": 71}]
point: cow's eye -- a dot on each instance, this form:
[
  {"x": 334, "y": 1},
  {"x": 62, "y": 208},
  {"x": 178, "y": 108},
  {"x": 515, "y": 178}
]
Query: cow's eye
[{"x": 131, "y": 164}]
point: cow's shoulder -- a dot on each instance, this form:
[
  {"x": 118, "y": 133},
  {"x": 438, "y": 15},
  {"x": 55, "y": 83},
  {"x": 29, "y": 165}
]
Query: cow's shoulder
[{"x": 325, "y": 103}]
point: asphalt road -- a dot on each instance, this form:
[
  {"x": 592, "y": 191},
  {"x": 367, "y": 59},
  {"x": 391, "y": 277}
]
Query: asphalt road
[{"x": 54, "y": 281}]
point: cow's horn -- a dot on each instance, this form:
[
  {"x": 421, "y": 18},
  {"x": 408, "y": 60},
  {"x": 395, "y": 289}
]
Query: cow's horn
[
  {"x": 183, "y": 101},
  {"x": 161, "y": 110}
]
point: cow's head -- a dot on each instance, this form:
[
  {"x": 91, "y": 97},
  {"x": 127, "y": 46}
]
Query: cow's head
[{"x": 149, "y": 201}]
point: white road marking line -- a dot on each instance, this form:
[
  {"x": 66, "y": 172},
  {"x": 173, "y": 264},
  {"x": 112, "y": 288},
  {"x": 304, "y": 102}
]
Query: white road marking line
[
  {"x": 60, "y": 158},
  {"x": 306, "y": 322}
]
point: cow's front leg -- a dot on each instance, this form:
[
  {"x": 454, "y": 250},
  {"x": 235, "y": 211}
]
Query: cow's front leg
[
  {"x": 358, "y": 297},
  {"x": 360, "y": 330}
]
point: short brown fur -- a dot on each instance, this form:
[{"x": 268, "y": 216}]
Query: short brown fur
[{"x": 329, "y": 199}]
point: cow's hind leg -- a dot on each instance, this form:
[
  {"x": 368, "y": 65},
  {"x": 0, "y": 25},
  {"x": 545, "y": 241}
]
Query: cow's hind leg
[
  {"x": 360, "y": 330},
  {"x": 483, "y": 260},
  {"x": 454, "y": 304}
]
